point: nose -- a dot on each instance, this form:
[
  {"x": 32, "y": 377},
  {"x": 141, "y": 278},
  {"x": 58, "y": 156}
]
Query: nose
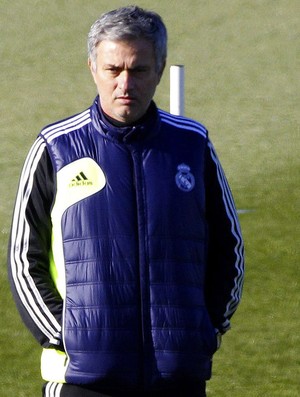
[{"x": 125, "y": 81}]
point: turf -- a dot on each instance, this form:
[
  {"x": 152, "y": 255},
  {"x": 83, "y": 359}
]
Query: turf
[{"x": 241, "y": 62}]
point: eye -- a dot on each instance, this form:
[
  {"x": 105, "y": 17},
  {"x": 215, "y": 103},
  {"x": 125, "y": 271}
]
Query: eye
[
  {"x": 140, "y": 69},
  {"x": 113, "y": 70}
]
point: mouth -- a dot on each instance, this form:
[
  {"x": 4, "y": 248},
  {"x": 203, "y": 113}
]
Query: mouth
[{"x": 126, "y": 100}]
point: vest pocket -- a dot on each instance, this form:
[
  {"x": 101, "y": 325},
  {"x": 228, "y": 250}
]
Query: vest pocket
[{"x": 209, "y": 335}]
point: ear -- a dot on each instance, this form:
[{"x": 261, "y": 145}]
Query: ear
[
  {"x": 160, "y": 73},
  {"x": 92, "y": 68}
]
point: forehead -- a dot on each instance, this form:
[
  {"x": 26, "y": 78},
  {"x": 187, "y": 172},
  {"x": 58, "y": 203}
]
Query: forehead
[{"x": 134, "y": 50}]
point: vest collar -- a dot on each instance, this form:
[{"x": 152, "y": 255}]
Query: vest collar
[{"x": 143, "y": 129}]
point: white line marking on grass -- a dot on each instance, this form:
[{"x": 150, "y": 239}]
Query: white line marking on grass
[{"x": 244, "y": 211}]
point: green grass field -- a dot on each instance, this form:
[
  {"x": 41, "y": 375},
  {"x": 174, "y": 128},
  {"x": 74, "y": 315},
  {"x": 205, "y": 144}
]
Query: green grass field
[{"x": 241, "y": 61}]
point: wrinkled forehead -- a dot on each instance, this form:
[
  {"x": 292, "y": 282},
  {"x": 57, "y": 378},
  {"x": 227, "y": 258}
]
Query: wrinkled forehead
[{"x": 137, "y": 49}]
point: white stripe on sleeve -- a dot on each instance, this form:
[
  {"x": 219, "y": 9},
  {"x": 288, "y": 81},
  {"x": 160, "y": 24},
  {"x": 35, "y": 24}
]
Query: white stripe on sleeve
[{"x": 23, "y": 281}]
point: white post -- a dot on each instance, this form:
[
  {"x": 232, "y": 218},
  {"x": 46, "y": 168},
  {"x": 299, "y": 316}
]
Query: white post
[{"x": 177, "y": 90}]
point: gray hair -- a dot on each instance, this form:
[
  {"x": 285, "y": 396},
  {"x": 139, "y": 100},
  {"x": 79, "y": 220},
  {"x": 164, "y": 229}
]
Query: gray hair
[{"x": 129, "y": 23}]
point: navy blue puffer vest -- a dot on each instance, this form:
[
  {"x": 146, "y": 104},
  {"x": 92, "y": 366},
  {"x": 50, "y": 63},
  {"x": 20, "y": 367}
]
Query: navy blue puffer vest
[{"x": 134, "y": 243}]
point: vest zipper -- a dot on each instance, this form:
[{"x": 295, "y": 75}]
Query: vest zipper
[{"x": 140, "y": 192}]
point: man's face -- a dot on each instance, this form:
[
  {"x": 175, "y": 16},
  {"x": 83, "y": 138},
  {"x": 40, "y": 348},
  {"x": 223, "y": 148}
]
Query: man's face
[{"x": 126, "y": 78}]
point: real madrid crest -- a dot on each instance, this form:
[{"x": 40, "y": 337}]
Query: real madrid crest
[{"x": 185, "y": 180}]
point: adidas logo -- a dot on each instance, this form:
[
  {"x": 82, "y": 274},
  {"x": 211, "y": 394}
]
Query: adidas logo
[{"x": 80, "y": 180}]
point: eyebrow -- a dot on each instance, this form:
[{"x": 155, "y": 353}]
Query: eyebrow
[{"x": 114, "y": 66}]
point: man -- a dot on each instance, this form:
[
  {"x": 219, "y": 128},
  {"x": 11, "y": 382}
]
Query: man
[{"x": 126, "y": 257}]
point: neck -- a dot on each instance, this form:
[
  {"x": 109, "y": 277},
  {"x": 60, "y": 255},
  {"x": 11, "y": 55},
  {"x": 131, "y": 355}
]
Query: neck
[
  {"x": 120, "y": 124},
  {"x": 116, "y": 123}
]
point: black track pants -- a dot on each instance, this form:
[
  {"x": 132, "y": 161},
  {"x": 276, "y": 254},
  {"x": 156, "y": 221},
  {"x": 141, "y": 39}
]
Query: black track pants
[{"x": 52, "y": 389}]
